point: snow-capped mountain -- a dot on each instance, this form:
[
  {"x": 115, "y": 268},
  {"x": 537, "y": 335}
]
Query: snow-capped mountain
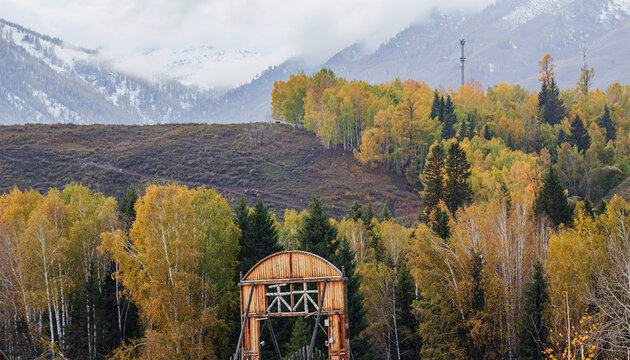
[
  {"x": 46, "y": 80},
  {"x": 503, "y": 44}
]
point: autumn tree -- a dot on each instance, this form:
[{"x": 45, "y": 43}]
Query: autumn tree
[
  {"x": 586, "y": 79},
  {"x": 178, "y": 264}
]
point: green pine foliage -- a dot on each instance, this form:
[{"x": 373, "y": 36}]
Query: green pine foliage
[
  {"x": 317, "y": 234},
  {"x": 439, "y": 225},
  {"x": 457, "y": 189},
  {"x": 259, "y": 235},
  {"x": 606, "y": 123},
  {"x": 552, "y": 201},
  {"x": 385, "y": 214},
  {"x": 301, "y": 335},
  {"x": 433, "y": 179},
  {"x": 356, "y": 211},
  {"x": 127, "y": 212},
  {"x": 359, "y": 342},
  {"x": 550, "y": 104},
  {"x": 579, "y": 136},
  {"x": 533, "y": 336},
  {"x": 406, "y": 318}
]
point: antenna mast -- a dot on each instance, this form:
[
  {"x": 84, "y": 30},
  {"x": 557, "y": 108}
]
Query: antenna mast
[{"x": 462, "y": 58}]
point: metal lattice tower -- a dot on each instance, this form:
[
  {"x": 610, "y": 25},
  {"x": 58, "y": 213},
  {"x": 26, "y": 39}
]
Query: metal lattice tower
[{"x": 462, "y": 58}]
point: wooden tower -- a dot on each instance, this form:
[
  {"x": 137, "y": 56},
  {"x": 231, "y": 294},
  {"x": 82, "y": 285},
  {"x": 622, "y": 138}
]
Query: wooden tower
[{"x": 294, "y": 283}]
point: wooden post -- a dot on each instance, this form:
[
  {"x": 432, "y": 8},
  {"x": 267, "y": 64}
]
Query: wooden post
[
  {"x": 240, "y": 336},
  {"x": 319, "y": 315}
]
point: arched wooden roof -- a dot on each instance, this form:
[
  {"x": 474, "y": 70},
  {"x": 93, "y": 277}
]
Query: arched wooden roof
[{"x": 292, "y": 264}]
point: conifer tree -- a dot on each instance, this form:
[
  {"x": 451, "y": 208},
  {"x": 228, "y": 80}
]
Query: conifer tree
[
  {"x": 486, "y": 132},
  {"x": 448, "y": 119},
  {"x": 457, "y": 190},
  {"x": 439, "y": 225},
  {"x": 259, "y": 236},
  {"x": 533, "y": 334},
  {"x": 407, "y": 320},
  {"x": 579, "y": 136},
  {"x": 552, "y": 201},
  {"x": 507, "y": 197},
  {"x": 433, "y": 179},
  {"x": 436, "y": 105},
  {"x": 359, "y": 341},
  {"x": 317, "y": 234},
  {"x": 356, "y": 211},
  {"x": 301, "y": 335},
  {"x": 368, "y": 215},
  {"x": 385, "y": 214},
  {"x": 606, "y": 123},
  {"x": 551, "y": 106},
  {"x": 127, "y": 212}
]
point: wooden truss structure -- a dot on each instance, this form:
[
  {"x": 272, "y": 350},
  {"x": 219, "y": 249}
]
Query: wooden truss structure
[{"x": 293, "y": 283}]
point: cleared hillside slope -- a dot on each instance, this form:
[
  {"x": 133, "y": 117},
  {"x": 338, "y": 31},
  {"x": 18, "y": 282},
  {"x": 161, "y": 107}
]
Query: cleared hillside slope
[{"x": 282, "y": 165}]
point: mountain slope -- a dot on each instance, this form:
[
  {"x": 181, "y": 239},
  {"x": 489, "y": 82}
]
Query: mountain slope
[
  {"x": 505, "y": 41},
  {"x": 45, "y": 80},
  {"x": 282, "y": 165}
]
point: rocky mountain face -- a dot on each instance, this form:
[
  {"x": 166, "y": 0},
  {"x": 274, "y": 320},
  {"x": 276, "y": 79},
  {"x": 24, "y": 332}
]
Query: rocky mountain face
[{"x": 46, "y": 80}]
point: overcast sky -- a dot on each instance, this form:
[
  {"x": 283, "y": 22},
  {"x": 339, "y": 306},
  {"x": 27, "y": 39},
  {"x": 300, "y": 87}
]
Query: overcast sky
[{"x": 274, "y": 29}]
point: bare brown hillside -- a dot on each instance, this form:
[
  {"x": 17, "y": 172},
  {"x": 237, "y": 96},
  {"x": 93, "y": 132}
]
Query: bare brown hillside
[{"x": 282, "y": 165}]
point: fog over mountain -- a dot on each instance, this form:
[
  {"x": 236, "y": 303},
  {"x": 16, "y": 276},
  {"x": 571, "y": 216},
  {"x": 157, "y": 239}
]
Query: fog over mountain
[{"x": 48, "y": 80}]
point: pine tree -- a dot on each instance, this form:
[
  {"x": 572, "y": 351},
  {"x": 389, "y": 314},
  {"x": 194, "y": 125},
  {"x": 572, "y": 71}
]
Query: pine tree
[
  {"x": 436, "y": 106},
  {"x": 407, "y": 320},
  {"x": 457, "y": 190},
  {"x": 533, "y": 334},
  {"x": 359, "y": 341},
  {"x": 439, "y": 225},
  {"x": 507, "y": 197},
  {"x": 385, "y": 214},
  {"x": 433, "y": 179},
  {"x": 259, "y": 236},
  {"x": 605, "y": 122},
  {"x": 448, "y": 119},
  {"x": 242, "y": 220},
  {"x": 356, "y": 211},
  {"x": 300, "y": 336},
  {"x": 579, "y": 136},
  {"x": 126, "y": 208},
  {"x": 317, "y": 234},
  {"x": 601, "y": 208},
  {"x": 486, "y": 132},
  {"x": 552, "y": 201},
  {"x": 477, "y": 297},
  {"x": 551, "y": 106},
  {"x": 368, "y": 215}
]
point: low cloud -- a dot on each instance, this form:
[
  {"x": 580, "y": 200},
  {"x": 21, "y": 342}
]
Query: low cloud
[{"x": 273, "y": 29}]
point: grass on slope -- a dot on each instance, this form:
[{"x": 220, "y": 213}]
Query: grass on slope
[{"x": 282, "y": 165}]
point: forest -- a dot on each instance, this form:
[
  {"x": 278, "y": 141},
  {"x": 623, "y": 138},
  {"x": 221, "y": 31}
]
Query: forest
[{"x": 521, "y": 250}]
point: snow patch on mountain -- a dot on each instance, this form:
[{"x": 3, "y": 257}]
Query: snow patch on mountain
[
  {"x": 532, "y": 9},
  {"x": 616, "y": 9}
]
